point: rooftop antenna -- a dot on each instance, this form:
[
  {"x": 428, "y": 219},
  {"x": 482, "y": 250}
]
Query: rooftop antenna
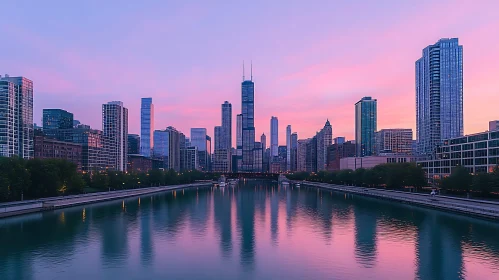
[
  {"x": 243, "y": 70},
  {"x": 251, "y": 70}
]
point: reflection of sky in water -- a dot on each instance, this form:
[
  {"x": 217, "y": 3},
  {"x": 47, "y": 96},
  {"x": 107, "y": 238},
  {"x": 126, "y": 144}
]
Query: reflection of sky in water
[{"x": 248, "y": 232}]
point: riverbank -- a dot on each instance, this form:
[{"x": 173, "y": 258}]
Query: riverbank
[
  {"x": 51, "y": 203},
  {"x": 480, "y": 208}
]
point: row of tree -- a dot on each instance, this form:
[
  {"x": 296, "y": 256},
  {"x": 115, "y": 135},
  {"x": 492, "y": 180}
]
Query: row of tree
[
  {"x": 461, "y": 180},
  {"x": 38, "y": 178},
  {"x": 400, "y": 175},
  {"x": 391, "y": 175}
]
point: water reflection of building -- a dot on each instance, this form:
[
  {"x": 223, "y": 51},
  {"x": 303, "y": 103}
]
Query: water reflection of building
[
  {"x": 438, "y": 249},
  {"x": 114, "y": 234},
  {"x": 365, "y": 235},
  {"x": 274, "y": 215},
  {"x": 146, "y": 237},
  {"x": 246, "y": 225},
  {"x": 222, "y": 212}
]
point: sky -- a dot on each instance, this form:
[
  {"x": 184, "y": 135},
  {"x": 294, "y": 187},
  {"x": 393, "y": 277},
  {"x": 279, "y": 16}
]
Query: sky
[{"x": 312, "y": 60}]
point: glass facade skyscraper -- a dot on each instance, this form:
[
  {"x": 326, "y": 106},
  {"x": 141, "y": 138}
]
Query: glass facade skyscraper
[
  {"x": 146, "y": 126},
  {"x": 288, "y": 148},
  {"x": 248, "y": 125},
  {"x": 365, "y": 126},
  {"x": 274, "y": 136},
  {"x": 439, "y": 94}
]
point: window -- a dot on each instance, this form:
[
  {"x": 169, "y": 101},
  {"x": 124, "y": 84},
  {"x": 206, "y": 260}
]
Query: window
[
  {"x": 480, "y": 161},
  {"x": 479, "y": 137},
  {"x": 468, "y": 154},
  {"x": 494, "y": 152},
  {"x": 456, "y": 155},
  {"x": 455, "y": 148},
  {"x": 494, "y": 135},
  {"x": 468, "y": 161},
  {"x": 481, "y": 153},
  {"x": 467, "y": 147},
  {"x": 481, "y": 145},
  {"x": 455, "y": 162},
  {"x": 481, "y": 169},
  {"x": 494, "y": 143},
  {"x": 494, "y": 160}
]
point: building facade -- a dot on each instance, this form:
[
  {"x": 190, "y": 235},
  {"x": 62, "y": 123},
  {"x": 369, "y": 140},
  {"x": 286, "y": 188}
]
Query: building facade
[
  {"x": 96, "y": 148},
  {"x": 439, "y": 94},
  {"x": 115, "y": 127},
  {"x": 51, "y": 148},
  {"x": 354, "y": 163},
  {"x": 294, "y": 152},
  {"x": 248, "y": 125},
  {"x": 274, "y": 136},
  {"x": 479, "y": 153},
  {"x": 16, "y": 117},
  {"x": 288, "y": 148},
  {"x": 338, "y": 140},
  {"x": 189, "y": 158},
  {"x": 398, "y": 141},
  {"x": 494, "y": 125},
  {"x": 226, "y": 126},
  {"x": 146, "y": 126},
  {"x": 324, "y": 139},
  {"x": 139, "y": 163},
  {"x": 133, "y": 144},
  {"x": 238, "y": 158},
  {"x": 301, "y": 159},
  {"x": 167, "y": 146},
  {"x": 336, "y": 152},
  {"x": 57, "y": 119},
  {"x": 365, "y": 126}
]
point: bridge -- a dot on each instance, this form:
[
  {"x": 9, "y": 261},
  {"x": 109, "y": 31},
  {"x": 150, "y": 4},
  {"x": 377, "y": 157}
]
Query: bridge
[{"x": 248, "y": 175}]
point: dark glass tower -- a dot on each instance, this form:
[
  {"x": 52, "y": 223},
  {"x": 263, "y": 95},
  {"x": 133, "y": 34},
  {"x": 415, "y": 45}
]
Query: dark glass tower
[
  {"x": 365, "y": 126},
  {"x": 248, "y": 124}
]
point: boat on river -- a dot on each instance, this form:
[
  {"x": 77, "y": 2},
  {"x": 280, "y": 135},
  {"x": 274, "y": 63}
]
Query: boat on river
[{"x": 221, "y": 181}]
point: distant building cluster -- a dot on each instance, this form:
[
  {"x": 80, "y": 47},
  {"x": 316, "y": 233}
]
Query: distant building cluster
[{"x": 439, "y": 145}]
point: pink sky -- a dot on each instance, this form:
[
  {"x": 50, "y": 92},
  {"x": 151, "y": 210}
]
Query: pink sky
[{"x": 311, "y": 60}]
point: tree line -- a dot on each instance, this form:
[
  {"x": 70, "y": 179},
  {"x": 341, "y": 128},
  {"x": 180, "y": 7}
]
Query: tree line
[
  {"x": 401, "y": 175},
  {"x": 38, "y": 178},
  {"x": 390, "y": 175}
]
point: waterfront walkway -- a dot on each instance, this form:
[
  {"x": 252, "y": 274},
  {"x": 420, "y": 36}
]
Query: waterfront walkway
[
  {"x": 50, "y": 203},
  {"x": 483, "y": 208}
]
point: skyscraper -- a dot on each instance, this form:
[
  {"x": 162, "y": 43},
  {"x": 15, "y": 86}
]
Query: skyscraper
[
  {"x": 248, "y": 124},
  {"x": 294, "y": 151},
  {"x": 115, "y": 127},
  {"x": 324, "y": 140},
  {"x": 288, "y": 148},
  {"x": 239, "y": 142},
  {"x": 439, "y": 94},
  {"x": 199, "y": 139},
  {"x": 16, "y": 115},
  {"x": 365, "y": 126},
  {"x": 227, "y": 125},
  {"x": 218, "y": 138},
  {"x": 263, "y": 140},
  {"x": 146, "y": 126},
  {"x": 167, "y": 144},
  {"x": 57, "y": 119},
  {"x": 274, "y": 136}
]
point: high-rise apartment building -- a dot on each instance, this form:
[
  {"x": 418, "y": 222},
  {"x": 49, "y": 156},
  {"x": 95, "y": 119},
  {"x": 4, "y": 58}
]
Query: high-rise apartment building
[
  {"x": 274, "y": 136},
  {"x": 324, "y": 139},
  {"x": 222, "y": 158},
  {"x": 338, "y": 140},
  {"x": 115, "y": 127},
  {"x": 398, "y": 141},
  {"x": 288, "y": 148},
  {"x": 365, "y": 126},
  {"x": 439, "y": 94},
  {"x": 167, "y": 146},
  {"x": 301, "y": 160},
  {"x": 146, "y": 126},
  {"x": 57, "y": 119},
  {"x": 16, "y": 117},
  {"x": 263, "y": 140},
  {"x": 199, "y": 139}
]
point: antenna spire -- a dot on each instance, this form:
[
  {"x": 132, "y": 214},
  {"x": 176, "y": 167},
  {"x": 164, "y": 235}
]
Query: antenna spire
[
  {"x": 252, "y": 70},
  {"x": 243, "y": 70}
]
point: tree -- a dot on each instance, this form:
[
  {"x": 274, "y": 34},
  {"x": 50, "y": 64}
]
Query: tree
[
  {"x": 460, "y": 179},
  {"x": 482, "y": 183},
  {"x": 345, "y": 176},
  {"x": 358, "y": 176}
]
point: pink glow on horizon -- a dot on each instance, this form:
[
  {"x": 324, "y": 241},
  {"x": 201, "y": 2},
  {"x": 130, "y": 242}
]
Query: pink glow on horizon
[{"x": 309, "y": 65}]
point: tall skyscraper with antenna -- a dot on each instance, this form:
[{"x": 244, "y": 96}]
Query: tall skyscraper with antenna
[{"x": 248, "y": 122}]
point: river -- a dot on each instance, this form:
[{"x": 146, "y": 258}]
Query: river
[{"x": 256, "y": 230}]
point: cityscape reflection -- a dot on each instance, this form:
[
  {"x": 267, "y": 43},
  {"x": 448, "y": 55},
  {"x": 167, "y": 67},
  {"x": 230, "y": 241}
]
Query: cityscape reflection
[{"x": 255, "y": 230}]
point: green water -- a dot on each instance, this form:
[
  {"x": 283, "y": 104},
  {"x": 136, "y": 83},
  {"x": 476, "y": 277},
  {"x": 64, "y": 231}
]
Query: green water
[{"x": 257, "y": 230}]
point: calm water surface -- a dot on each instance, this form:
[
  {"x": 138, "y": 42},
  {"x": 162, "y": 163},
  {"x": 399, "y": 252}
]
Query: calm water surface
[{"x": 257, "y": 230}]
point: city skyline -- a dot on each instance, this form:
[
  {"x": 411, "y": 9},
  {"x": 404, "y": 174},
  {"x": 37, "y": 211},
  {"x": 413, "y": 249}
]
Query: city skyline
[{"x": 372, "y": 63}]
